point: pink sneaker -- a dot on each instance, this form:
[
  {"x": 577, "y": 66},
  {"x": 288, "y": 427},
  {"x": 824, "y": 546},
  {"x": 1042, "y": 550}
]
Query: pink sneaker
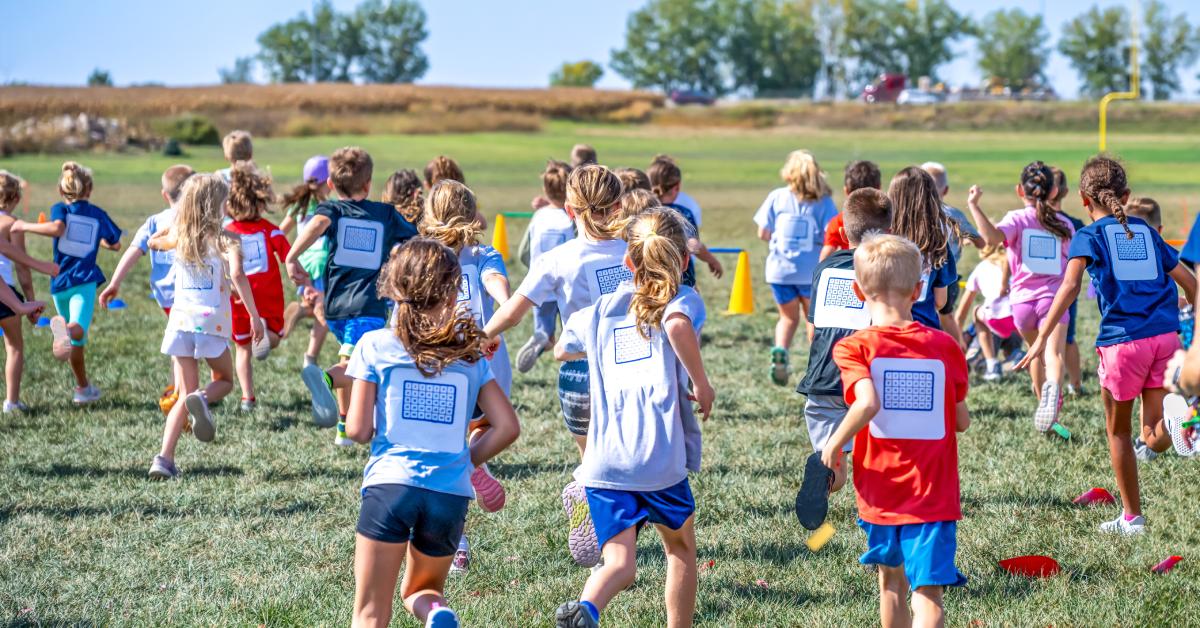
[{"x": 489, "y": 493}]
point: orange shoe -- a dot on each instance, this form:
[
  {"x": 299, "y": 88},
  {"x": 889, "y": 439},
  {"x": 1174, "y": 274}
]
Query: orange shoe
[{"x": 167, "y": 400}]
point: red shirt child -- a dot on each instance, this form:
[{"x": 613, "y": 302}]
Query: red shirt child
[
  {"x": 264, "y": 248},
  {"x": 834, "y": 236}
]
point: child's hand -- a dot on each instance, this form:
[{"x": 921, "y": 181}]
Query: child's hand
[
  {"x": 108, "y": 294},
  {"x": 489, "y": 346},
  {"x": 714, "y": 267},
  {"x": 703, "y": 395},
  {"x": 832, "y": 457},
  {"x": 298, "y": 275},
  {"x": 18, "y": 226},
  {"x": 47, "y": 268},
  {"x": 260, "y": 329},
  {"x": 974, "y": 195},
  {"x": 31, "y": 310},
  {"x": 1035, "y": 351}
]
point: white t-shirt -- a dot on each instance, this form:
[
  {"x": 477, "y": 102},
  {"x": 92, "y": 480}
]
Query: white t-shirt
[
  {"x": 988, "y": 279},
  {"x": 690, "y": 203},
  {"x": 576, "y": 274},
  {"x": 202, "y": 298},
  {"x": 550, "y": 227}
]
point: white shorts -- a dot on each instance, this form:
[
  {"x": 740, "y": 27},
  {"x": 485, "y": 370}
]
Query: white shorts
[{"x": 189, "y": 344}]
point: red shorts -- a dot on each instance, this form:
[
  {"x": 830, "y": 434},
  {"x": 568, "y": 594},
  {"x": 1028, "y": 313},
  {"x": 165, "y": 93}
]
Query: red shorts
[{"x": 242, "y": 334}]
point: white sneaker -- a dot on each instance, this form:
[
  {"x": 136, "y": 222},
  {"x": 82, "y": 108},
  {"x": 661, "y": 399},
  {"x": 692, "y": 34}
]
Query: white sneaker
[
  {"x": 462, "y": 557},
  {"x": 87, "y": 394},
  {"x": 1123, "y": 527},
  {"x": 1175, "y": 412},
  {"x": 1047, "y": 410},
  {"x": 1142, "y": 451},
  {"x": 993, "y": 372},
  {"x": 340, "y": 439},
  {"x": 14, "y": 406}
]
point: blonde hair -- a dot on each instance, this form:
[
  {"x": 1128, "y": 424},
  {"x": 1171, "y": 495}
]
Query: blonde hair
[
  {"x": 423, "y": 278},
  {"x": 887, "y": 264},
  {"x": 75, "y": 183},
  {"x": 238, "y": 146},
  {"x": 449, "y": 216},
  {"x": 938, "y": 172},
  {"x": 402, "y": 190},
  {"x": 994, "y": 254},
  {"x": 593, "y": 194},
  {"x": 10, "y": 190},
  {"x": 636, "y": 201},
  {"x": 198, "y": 214},
  {"x": 658, "y": 252},
  {"x": 173, "y": 179},
  {"x": 250, "y": 193},
  {"x": 554, "y": 181},
  {"x": 1145, "y": 208},
  {"x": 442, "y": 168},
  {"x": 803, "y": 174},
  {"x": 350, "y": 169}
]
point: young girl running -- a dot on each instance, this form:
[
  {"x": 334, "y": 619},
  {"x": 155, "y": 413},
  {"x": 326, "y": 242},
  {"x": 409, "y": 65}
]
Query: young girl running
[
  {"x": 79, "y": 229},
  {"x": 301, "y": 205},
  {"x": 666, "y": 179},
  {"x": 792, "y": 221},
  {"x": 917, "y": 215},
  {"x": 14, "y": 304},
  {"x": 575, "y": 275},
  {"x": 264, "y": 247},
  {"x": 995, "y": 315},
  {"x": 642, "y": 346},
  {"x": 1135, "y": 273},
  {"x": 402, "y": 190},
  {"x": 414, "y": 388},
  {"x": 1037, "y": 239},
  {"x": 207, "y": 260},
  {"x": 549, "y": 227}
]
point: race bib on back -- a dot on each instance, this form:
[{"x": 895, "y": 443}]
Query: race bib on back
[
  {"x": 80, "y": 237},
  {"x": 627, "y": 355},
  {"x": 469, "y": 292},
  {"x": 1041, "y": 252},
  {"x": 428, "y": 413},
  {"x": 795, "y": 234},
  {"x": 254, "y": 253},
  {"x": 359, "y": 244},
  {"x": 836, "y": 304},
  {"x": 604, "y": 277},
  {"x": 1132, "y": 259},
  {"x": 912, "y": 395},
  {"x": 198, "y": 284}
]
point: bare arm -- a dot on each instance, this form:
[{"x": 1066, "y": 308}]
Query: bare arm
[
  {"x": 698, "y": 248},
  {"x": 360, "y": 416},
  {"x": 508, "y": 315},
  {"x": 17, "y": 254},
  {"x": 24, "y": 277},
  {"x": 687, "y": 348},
  {"x": 1067, "y": 293},
  {"x": 241, "y": 284},
  {"x": 965, "y": 303},
  {"x": 940, "y": 296},
  {"x": 991, "y": 235},
  {"x": 112, "y": 246},
  {"x": 51, "y": 229},
  {"x": 1186, "y": 280},
  {"x": 864, "y": 408},
  {"x": 826, "y": 251},
  {"x": 962, "y": 417},
  {"x": 128, "y": 260},
  {"x": 764, "y": 234},
  {"x": 497, "y": 286},
  {"x": 287, "y": 224},
  {"x": 562, "y": 355},
  {"x": 162, "y": 240},
  {"x": 315, "y": 228},
  {"x": 505, "y": 427}
]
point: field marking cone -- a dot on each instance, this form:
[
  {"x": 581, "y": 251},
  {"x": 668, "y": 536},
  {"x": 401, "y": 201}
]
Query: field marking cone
[
  {"x": 741, "y": 298},
  {"x": 500, "y": 237},
  {"x": 41, "y": 217}
]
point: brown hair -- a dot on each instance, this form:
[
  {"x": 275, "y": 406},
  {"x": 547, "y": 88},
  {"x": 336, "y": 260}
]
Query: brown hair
[
  {"x": 449, "y": 216},
  {"x": 250, "y": 193},
  {"x": 75, "y": 183},
  {"x": 1037, "y": 182},
  {"x": 423, "y": 279},
  {"x": 554, "y": 181},
  {"x": 238, "y": 146},
  {"x": 402, "y": 190},
  {"x": 10, "y": 190},
  {"x": 173, "y": 178},
  {"x": 1145, "y": 208},
  {"x": 658, "y": 252},
  {"x": 1103, "y": 181},
  {"x": 198, "y": 214},
  {"x": 886, "y": 264},
  {"x": 866, "y": 210},
  {"x": 582, "y": 155},
  {"x": 593, "y": 193},
  {"x": 664, "y": 175},
  {"x": 350, "y": 169},
  {"x": 442, "y": 168},
  {"x": 803, "y": 174},
  {"x": 636, "y": 201},
  {"x": 917, "y": 214},
  {"x": 1060, "y": 185},
  {"x": 302, "y": 196},
  {"x": 862, "y": 174},
  {"x": 633, "y": 179}
]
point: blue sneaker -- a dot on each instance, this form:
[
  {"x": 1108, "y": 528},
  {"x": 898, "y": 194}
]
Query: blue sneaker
[{"x": 441, "y": 617}]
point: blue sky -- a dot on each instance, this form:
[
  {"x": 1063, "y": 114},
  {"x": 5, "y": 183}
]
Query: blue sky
[{"x": 472, "y": 42}]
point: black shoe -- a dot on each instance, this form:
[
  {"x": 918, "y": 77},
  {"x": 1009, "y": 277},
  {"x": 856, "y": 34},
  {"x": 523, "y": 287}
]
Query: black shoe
[{"x": 812, "y": 502}]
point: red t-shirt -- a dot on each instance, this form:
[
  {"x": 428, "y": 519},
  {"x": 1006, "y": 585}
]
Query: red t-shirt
[
  {"x": 906, "y": 459},
  {"x": 833, "y": 234},
  {"x": 264, "y": 248}
]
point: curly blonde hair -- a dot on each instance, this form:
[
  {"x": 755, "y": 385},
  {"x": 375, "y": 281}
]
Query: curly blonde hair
[
  {"x": 75, "y": 183},
  {"x": 250, "y": 193},
  {"x": 198, "y": 215},
  {"x": 803, "y": 174},
  {"x": 658, "y": 251},
  {"x": 449, "y": 215},
  {"x": 10, "y": 190},
  {"x": 594, "y": 194}
]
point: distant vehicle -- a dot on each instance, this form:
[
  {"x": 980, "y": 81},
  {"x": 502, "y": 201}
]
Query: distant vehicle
[
  {"x": 918, "y": 97},
  {"x": 886, "y": 88},
  {"x": 691, "y": 97}
]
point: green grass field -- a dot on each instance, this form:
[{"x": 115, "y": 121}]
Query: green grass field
[{"x": 260, "y": 531}]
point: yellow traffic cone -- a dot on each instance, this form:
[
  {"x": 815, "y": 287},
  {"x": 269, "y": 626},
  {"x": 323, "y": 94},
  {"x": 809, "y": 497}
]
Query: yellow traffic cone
[
  {"x": 500, "y": 237},
  {"x": 741, "y": 299}
]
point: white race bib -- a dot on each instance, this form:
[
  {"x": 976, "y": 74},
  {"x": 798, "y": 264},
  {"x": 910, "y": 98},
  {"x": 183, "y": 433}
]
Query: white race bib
[
  {"x": 603, "y": 279},
  {"x": 1041, "y": 252},
  {"x": 794, "y": 234},
  {"x": 469, "y": 291},
  {"x": 360, "y": 244},
  {"x": 80, "y": 237},
  {"x": 254, "y": 253},
  {"x": 627, "y": 356},
  {"x": 428, "y": 413},
  {"x": 198, "y": 284},
  {"x": 912, "y": 395},
  {"x": 836, "y": 304},
  {"x": 1132, "y": 260}
]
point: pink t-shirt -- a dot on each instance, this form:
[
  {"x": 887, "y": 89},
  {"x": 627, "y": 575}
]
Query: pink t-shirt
[{"x": 1038, "y": 258}]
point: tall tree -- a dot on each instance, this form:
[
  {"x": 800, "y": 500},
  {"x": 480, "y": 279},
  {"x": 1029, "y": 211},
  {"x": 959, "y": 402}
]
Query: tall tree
[
  {"x": 1013, "y": 48},
  {"x": 829, "y": 18},
  {"x": 1097, "y": 45},
  {"x": 772, "y": 47},
  {"x": 1170, "y": 44},
  {"x": 579, "y": 74},
  {"x": 910, "y": 38},
  {"x": 285, "y": 51},
  {"x": 241, "y": 72},
  {"x": 673, "y": 44},
  {"x": 391, "y": 34}
]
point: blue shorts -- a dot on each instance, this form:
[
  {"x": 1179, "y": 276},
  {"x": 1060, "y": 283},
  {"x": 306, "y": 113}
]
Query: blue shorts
[
  {"x": 574, "y": 396},
  {"x": 614, "y": 511},
  {"x": 348, "y": 331},
  {"x": 1073, "y": 312},
  {"x": 318, "y": 285},
  {"x": 925, "y": 550},
  {"x": 786, "y": 293},
  {"x": 397, "y": 513}
]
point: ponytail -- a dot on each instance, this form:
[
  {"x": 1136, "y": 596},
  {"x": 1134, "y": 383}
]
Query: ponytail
[
  {"x": 658, "y": 252},
  {"x": 450, "y": 216},
  {"x": 594, "y": 194},
  {"x": 1103, "y": 181},
  {"x": 1037, "y": 183},
  {"x": 75, "y": 183}
]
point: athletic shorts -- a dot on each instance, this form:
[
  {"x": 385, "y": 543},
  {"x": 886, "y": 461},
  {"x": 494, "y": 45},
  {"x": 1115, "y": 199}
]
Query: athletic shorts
[
  {"x": 349, "y": 331},
  {"x": 6, "y": 311},
  {"x": 823, "y": 414},
  {"x": 1128, "y": 368},
  {"x": 1072, "y": 314},
  {"x": 1003, "y": 327},
  {"x": 397, "y": 513},
  {"x": 1031, "y": 314},
  {"x": 77, "y": 304},
  {"x": 786, "y": 293},
  {"x": 952, "y": 292},
  {"x": 190, "y": 344},
  {"x": 243, "y": 334},
  {"x": 615, "y": 511},
  {"x": 925, "y": 550},
  {"x": 318, "y": 285},
  {"x": 574, "y": 396}
]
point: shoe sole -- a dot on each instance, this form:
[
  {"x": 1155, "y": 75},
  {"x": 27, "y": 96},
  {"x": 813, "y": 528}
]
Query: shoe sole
[
  {"x": 489, "y": 493},
  {"x": 61, "y": 345},
  {"x": 1047, "y": 410},
  {"x": 581, "y": 533},
  {"x": 202, "y": 424},
  {"x": 262, "y": 349},
  {"x": 530, "y": 352},
  {"x": 1175, "y": 412},
  {"x": 324, "y": 405},
  {"x": 812, "y": 500},
  {"x": 155, "y": 474},
  {"x": 574, "y": 615}
]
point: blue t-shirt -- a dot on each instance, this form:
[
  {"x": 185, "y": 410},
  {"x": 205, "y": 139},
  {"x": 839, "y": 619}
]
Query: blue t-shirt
[
  {"x": 689, "y": 273},
  {"x": 361, "y": 235},
  {"x": 1191, "y": 248},
  {"x": 420, "y": 422},
  {"x": 1136, "y": 295},
  {"x": 162, "y": 263},
  {"x": 477, "y": 262},
  {"x": 797, "y": 232},
  {"x": 924, "y": 311},
  {"x": 75, "y": 250}
]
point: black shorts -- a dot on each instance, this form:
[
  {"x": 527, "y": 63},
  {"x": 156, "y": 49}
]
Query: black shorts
[
  {"x": 952, "y": 292},
  {"x": 6, "y": 311},
  {"x": 396, "y": 513}
]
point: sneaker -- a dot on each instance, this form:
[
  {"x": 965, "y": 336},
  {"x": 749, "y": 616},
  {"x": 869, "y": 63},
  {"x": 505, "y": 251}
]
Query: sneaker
[
  {"x": 262, "y": 348},
  {"x": 200, "y": 418},
  {"x": 1125, "y": 527},
  {"x": 1175, "y": 412},
  {"x": 86, "y": 395},
  {"x": 167, "y": 400},
  {"x": 779, "y": 366},
  {"x": 462, "y": 557},
  {"x": 248, "y": 405},
  {"x": 993, "y": 372},
  {"x": 1047, "y": 410},
  {"x": 1142, "y": 451},
  {"x": 581, "y": 535},
  {"x": 531, "y": 351},
  {"x": 489, "y": 493},
  {"x": 574, "y": 615},
  {"x": 441, "y": 617},
  {"x": 340, "y": 439},
  {"x": 61, "y": 346},
  {"x": 163, "y": 469},
  {"x": 812, "y": 501},
  {"x": 15, "y": 406},
  {"x": 1070, "y": 391},
  {"x": 324, "y": 406}
]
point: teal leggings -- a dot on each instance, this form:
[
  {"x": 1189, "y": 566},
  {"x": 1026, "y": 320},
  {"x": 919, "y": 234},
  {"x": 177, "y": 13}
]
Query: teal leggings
[{"x": 76, "y": 304}]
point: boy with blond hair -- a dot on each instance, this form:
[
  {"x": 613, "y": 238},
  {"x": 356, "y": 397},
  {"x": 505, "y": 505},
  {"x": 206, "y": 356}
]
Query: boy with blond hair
[{"x": 238, "y": 146}]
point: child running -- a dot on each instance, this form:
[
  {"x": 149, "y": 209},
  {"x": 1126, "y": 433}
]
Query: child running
[
  {"x": 79, "y": 230},
  {"x": 994, "y": 318},
  {"x": 858, "y": 175},
  {"x": 574, "y": 275},
  {"x": 414, "y": 391},
  {"x": 300, "y": 206},
  {"x": 549, "y": 228},
  {"x": 207, "y": 260},
  {"x": 263, "y": 248},
  {"x": 1036, "y": 238},
  {"x": 1135, "y": 273},
  {"x": 237, "y": 146},
  {"x": 792, "y": 220},
  {"x": 13, "y": 304},
  {"x": 918, "y": 217},
  {"x": 665, "y": 182},
  {"x": 642, "y": 347}
]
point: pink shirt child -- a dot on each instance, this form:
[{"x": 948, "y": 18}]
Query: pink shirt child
[{"x": 1037, "y": 258}]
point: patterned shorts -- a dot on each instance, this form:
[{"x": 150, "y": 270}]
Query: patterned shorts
[{"x": 574, "y": 397}]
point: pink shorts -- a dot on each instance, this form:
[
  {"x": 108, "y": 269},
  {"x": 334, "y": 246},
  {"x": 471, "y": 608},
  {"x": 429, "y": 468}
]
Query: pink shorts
[
  {"x": 1031, "y": 314},
  {"x": 1128, "y": 368},
  {"x": 1003, "y": 327}
]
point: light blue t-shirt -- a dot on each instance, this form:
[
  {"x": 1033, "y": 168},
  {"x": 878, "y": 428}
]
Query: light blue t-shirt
[
  {"x": 797, "y": 233},
  {"x": 477, "y": 262},
  {"x": 643, "y": 435},
  {"x": 420, "y": 422},
  {"x": 162, "y": 263},
  {"x": 576, "y": 274}
]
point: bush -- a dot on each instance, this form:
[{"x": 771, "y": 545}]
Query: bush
[{"x": 189, "y": 129}]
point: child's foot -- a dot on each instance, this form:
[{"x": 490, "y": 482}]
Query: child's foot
[
  {"x": 61, "y": 345},
  {"x": 310, "y": 360},
  {"x": 325, "y": 407},
  {"x": 248, "y": 406},
  {"x": 15, "y": 406},
  {"x": 1175, "y": 412},
  {"x": 1047, "y": 410},
  {"x": 581, "y": 535},
  {"x": 262, "y": 348},
  {"x": 86, "y": 395},
  {"x": 167, "y": 400},
  {"x": 340, "y": 438},
  {"x": 441, "y": 617},
  {"x": 200, "y": 418},
  {"x": 489, "y": 493},
  {"x": 812, "y": 501},
  {"x": 1142, "y": 451},
  {"x": 574, "y": 615},
  {"x": 1125, "y": 526},
  {"x": 993, "y": 371},
  {"x": 462, "y": 557},
  {"x": 531, "y": 351},
  {"x": 163, "y": 469},
  {"x": 779, "y": 366}
]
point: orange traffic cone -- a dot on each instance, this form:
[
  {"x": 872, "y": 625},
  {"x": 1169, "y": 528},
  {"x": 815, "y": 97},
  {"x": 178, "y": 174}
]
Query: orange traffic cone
[
  {"x": 500, "y": 237},
  {"x": 741, "y": 299},
  {"x": 41, "y": 217}
]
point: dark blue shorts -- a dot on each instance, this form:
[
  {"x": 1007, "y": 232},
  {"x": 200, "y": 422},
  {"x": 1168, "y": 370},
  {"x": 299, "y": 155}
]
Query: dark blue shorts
[
  {"x": 397, "y": 513},
  {"x": 786, "y": 293},
  {"x": 1073, "y": 312},
  {"x": 615, "y": 511},
  {"x": 925, "y": 550},
  {"x": 349, "y": 331}
]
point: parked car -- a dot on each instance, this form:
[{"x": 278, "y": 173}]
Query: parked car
[
  {"x": 918, "y": 97},
  {"x": 691, "y": 97},
  {"x": 886, "y": 88}
]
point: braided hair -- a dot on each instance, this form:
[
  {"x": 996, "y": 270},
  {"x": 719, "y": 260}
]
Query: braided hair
[
  {"x": 1103, "y": 181},
  {"x": 1037, "y": 184}
]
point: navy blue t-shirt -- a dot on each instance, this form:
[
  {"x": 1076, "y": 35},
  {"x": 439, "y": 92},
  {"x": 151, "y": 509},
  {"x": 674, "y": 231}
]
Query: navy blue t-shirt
[
  {"x": 1136, "y": 295},
  {"x": 75, "y": 250},
  {"x": 835, "y": 313},
  {"x": 361, "y": 235},
  {"x": 1191, "y": 248},
  {"x": 924, "y": 311},
  {"x": 689, "y": 274}
]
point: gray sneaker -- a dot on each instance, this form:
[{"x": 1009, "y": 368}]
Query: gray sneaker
[
  {"x": 324, "y": 405},
  {"x": 15, "y": 406},
  {"x": 531, "y": 351},
  {"x": 1142, "y": 451},
  {"x": 574, "y": 615},
  {"x": 86, "y": 395},
  {"x": 248, "y": 406},
  {"x": 1047, "y": 410},
  {"x": 163, "y": 469},
  {"x": 201, "y": 419}
]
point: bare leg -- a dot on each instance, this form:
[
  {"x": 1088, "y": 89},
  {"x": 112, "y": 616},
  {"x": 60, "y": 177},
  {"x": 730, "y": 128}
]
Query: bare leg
[
  {"x": 376, "y": 569},
  {"x": 341, "y": 384},
  {"x": 1074, "y": 365},
  {"x": 14, "y": 365},
  {"x": 424, "y": 582},
  {"x": 789, "y": 320},
  {"x": 316, "y": 339},
  {"x": 893, "y": 597},
  {"x": 78, "y": 367},
  {"x": 222, "y": 378},
  {"x": 680, "y": 547},
  {"x": 1037, "y": 368},
  {"x": 1154, "y": 430},
  {"x": 1117, "y": 417},
  {"x": 928, "y": 611},
  {"x": 617, "y": 573},
  {"x": 1054, "y": 355},
  {"x": 189, "y": 379},
  {"x": 986, "y": 343},
  {"x": 580, "y": 444},
  {"x": 808, "y": 327},
  {"x": 245, "y": 371}
]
